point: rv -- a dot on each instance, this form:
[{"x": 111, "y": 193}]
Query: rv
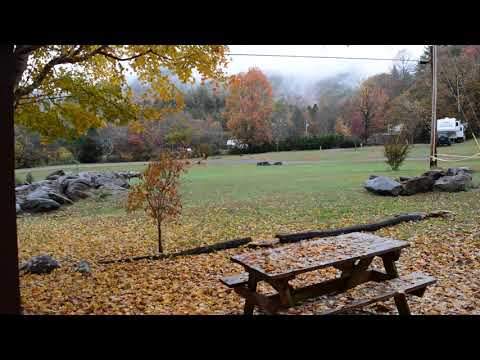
[{"x": 450, "y": 130}]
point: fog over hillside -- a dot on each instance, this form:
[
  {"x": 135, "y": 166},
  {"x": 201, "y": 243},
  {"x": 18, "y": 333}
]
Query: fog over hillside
[{"x": 303, "y": 78}]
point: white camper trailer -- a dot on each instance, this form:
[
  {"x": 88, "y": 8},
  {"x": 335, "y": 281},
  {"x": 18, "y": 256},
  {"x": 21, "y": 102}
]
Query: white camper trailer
[{"x": 451, "y": 129}]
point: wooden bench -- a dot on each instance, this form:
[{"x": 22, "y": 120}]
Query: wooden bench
[
  {"x": 235, "y": 280},
  {"x": 372, "y": 292},
  {"x": 413, "y": 284}
]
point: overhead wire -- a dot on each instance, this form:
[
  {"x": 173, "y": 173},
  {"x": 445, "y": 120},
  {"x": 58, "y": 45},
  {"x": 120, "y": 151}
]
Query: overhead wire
[{"x": 321, "y": 57}]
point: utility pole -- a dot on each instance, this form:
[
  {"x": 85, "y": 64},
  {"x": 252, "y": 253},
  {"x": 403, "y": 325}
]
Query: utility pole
[{"x": 433, "y": 131}]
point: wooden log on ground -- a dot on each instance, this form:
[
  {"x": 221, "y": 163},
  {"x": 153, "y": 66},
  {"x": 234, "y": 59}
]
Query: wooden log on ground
[
  {"x": 289, "y": 238},
  {"x": 195, "y": 251}
]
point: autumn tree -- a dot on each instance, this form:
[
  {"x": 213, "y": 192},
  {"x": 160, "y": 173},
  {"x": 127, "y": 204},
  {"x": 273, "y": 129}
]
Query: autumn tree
[
  {"x": 157, "y": 191},
  {"x": 298, "y": 122},
  {"x": 61, "y": 91},
  {"x": 370, "y": 104},
  {"x": 280, "y": 121},
  {"x": 249, "y": 107}
]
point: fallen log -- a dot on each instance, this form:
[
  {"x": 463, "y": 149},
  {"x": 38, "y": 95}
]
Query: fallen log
[
  {"x": 195, "y": 251},
  {"x": 289, "y": 238}
]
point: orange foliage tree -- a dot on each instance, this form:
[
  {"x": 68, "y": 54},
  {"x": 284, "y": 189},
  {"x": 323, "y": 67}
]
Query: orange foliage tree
[
  {"x": 249, "y": 107},
  {"x": 371, "y": 104},
  {"x": 157, "y": 191}
]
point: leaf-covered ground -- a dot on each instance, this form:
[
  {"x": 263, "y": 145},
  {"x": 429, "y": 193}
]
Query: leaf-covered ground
[{"x": 227, "y": 202}]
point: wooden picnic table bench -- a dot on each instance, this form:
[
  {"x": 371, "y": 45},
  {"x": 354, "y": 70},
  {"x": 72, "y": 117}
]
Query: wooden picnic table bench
[{"x": 351, "y": 253}]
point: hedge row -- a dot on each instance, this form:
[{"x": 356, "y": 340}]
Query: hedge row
[{"x": 303, "y": 143}]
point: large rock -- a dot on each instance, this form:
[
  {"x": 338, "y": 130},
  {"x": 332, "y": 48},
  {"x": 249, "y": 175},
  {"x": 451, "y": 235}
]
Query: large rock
[
  {"x": 55, "y": 175},
  {"x": 42, "y": 264},
  {"x": 129, "y": 174},
  {"x": 82, "y": 267},
  {"x": 435, "y": 174},
  {"x": 383, "y": 185},
  {"x": 47, "y": 193},
  {"x": 76, "y": 188},
  {"x": 417, "y": 185},
  {"x": 37, "y": 205},
  {"x": 405, "y": 178},
  {"x": 460, "y": 182},
  {"x": 109, "y": 178},
  {"x": 459, "y": 170},
  {"x": 263, "y": 163}
]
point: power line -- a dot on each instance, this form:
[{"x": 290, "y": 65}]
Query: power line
[{"x": 323, "y": 57}]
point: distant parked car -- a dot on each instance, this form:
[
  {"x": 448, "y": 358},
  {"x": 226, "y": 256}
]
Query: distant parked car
[{"x": 444, "y": 140}]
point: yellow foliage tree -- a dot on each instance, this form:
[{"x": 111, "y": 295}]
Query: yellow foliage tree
[{"x": 63, "y": 90}]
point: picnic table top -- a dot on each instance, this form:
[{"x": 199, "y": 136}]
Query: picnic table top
[{"x": 310, "y": 255}]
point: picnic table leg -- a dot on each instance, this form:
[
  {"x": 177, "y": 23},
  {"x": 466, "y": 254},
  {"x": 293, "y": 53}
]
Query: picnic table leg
[
  {"x": 284, "y": 291},
  {"x": 389, "y": 263},
  {"x": 357, "y": 274},
  {"x": 402, "y": 304},
  {"x": 252, "y": 286}
]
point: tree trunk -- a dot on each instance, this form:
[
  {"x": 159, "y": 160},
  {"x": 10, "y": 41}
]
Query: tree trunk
[
  {"x": 9, "y": 281},
  {"x": 231, "y": 244},
  {"x": 159, "y": 227},
  {"x": 364, "y": 227}
]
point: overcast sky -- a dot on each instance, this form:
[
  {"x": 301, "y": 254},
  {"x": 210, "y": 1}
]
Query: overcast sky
[{"x": 318, "y": 68}]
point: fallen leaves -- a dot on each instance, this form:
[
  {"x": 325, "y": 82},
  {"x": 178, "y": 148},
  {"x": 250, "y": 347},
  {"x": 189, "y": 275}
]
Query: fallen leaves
[{"x": 449, "y": 250}]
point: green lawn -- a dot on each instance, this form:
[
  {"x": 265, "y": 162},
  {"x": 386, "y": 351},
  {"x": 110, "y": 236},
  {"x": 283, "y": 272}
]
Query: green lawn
[{"x": 360, "y": 154}]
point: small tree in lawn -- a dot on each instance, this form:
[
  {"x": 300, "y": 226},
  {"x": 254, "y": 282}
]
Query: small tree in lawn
[
  {"x": 396, "y": 149},
  {"x": 157, "y": 192}
]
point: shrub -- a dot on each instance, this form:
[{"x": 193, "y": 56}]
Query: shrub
[
  {"x": 29, "y": 179},
  {"x": 396, "y": 149},
  {"x": 329, "y": 141}
]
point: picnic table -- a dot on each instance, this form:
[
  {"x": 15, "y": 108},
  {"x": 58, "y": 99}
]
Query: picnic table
[{"x": 352, "y": 254}]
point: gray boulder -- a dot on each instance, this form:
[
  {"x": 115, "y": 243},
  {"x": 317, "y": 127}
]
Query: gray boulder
[
  {"x": 383, "y": 185},
  {"x": 278, "y": 163},
  {"x": 460, "y": 182},
  {"x": 82, "y": 267},
  {"x": 47, "y": 193},
  {"x": 129, "y": 174},
  {"x": 42, "y": 264},
  {"x": 110, "y": 178},
  {"x": 55, "y": 175},
  {"x": 405, "y": 178},
  {"x": 417, "y": 185},
  {"x": 459, "y": 170},
  {"x": 76, "y": 189},
  {"x": 263, "y": 163},
  {"x": 37, "y": 205},
  {"x": 435, "y": 174}
]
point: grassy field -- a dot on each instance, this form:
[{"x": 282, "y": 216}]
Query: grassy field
[{"x": 228, "y": 198}]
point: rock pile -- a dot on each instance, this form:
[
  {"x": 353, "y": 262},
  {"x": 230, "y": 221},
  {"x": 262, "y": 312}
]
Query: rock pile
[
  {"x": 60, "y": 188},
  {"x": 266, "y": 163},
  {"x": 450, "y": 180},
  {"x": 42, "y": 264}
]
